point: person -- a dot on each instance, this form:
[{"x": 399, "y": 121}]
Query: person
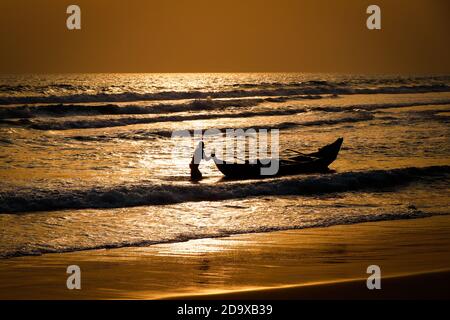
[{"x": 196, "y": 175}]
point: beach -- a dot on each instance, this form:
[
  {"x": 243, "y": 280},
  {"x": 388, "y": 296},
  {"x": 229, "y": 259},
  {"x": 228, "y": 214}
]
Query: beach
[
  {"x": 319, "y": 263},
  {"x": 423, "y": 286}
]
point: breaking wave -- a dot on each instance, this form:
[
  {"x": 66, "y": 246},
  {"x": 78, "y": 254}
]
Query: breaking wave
[
  {"x": 62, "y": 110},
  {"x": 161, "y": 194},
  {"x": 132, "y": 119}
]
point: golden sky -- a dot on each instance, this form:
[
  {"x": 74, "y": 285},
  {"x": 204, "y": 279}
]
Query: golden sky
[{"x": 225, "y": 36}]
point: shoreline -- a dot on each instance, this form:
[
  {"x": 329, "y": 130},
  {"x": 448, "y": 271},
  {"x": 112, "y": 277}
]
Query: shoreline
[{"x": 320, "y": 263}]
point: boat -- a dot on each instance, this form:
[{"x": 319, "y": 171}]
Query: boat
[{"x": 315, "y": 162}]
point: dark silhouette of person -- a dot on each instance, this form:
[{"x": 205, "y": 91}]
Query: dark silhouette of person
[{"x": 199, "y": 155}]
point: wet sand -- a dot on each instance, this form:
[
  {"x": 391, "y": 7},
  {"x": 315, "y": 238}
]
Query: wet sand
[
  {"x": 322, "y": 263},
  {"x": 433, "y": 285}
]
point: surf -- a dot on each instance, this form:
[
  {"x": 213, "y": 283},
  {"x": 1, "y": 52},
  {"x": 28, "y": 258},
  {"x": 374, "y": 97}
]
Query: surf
[{"x": 131, "y": 195}]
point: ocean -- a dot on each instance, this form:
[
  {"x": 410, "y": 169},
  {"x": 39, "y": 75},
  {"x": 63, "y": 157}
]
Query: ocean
[{"x": 87, "y": 162}]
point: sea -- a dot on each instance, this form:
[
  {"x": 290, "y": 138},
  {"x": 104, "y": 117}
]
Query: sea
[{"x": 87, "y": 161}]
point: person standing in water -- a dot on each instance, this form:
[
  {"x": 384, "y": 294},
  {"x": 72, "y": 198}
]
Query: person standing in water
[{"x": 199, "y": 155}]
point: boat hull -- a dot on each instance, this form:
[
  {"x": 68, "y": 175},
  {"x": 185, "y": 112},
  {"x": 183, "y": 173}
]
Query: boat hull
[{"x": 310, "y": 163}]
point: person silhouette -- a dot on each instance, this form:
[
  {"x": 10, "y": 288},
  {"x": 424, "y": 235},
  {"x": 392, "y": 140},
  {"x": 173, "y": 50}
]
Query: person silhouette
[{"x": 199, "y": 154}]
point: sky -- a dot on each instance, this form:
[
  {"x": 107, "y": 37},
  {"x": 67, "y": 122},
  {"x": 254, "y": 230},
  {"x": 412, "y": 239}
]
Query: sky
[{"x": 225, "y": 36}]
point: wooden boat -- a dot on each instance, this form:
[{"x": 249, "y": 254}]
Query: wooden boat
[{"x": 300, "y": 163}]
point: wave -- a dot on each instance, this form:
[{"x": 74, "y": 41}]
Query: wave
[
  {"x": 308, "y": 88},
  {"x": 104, "y": 123},
  {"x": 357, "y": 82},
  {"x": 65, "y": 110},
  {"x": 321, "y": 223},
  {"x": 40, "y": 88},
  {"x": 88, "y": 123},
  {"x": 161, "y": 194},
  {"x": 62, "y": 110},
  {"x": 143, "y": 134}
]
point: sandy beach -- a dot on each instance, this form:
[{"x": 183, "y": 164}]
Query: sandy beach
[
  {"x": 321, "y": 263},
  {"x": 432, "y": 285}
]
